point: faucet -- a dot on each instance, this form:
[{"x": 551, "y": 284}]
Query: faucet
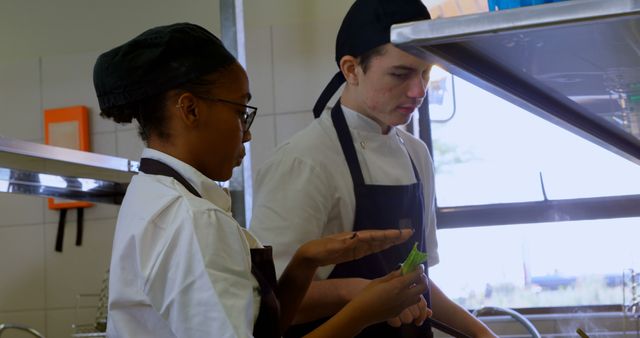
[
  {"x": 6, "y": 326},
  {"x": 515, "y": 315}
]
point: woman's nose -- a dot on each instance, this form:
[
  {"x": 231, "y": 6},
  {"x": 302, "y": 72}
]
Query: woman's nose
[{"x": 246, "y": 136}]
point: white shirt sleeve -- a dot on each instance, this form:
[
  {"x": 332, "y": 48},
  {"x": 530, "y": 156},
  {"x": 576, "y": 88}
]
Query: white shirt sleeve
[
  {"x": 200, "y": 280},
  {"x": 292, "y": 200},
  {"x": 422, "y": 159}
]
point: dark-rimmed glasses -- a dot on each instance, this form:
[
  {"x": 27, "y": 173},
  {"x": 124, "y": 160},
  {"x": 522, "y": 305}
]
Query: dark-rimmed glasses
[{"x": 246, "y": 117}]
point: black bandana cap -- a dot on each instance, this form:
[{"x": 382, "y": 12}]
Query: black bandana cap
[
  {"x": 366, "y": 26},
  {"x": 157, "y": 60}
]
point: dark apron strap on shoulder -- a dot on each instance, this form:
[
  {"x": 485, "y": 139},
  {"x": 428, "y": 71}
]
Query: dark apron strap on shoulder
[
  {"x": 346, "y": 141},
  {"x": 155, "y": 167},
  {"x": 332, "y": 87}
]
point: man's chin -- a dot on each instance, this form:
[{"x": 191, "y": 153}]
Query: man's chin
[{"x": 402, "y": 122}]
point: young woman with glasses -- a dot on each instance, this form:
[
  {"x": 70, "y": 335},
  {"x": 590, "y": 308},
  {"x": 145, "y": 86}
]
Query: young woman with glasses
[{"x": 181, "y": 266}]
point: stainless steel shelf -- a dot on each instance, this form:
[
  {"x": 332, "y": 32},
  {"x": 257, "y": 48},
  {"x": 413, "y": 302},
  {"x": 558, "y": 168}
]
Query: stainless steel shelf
[
  {"x": 575, "y": 63},
  {"x": 38, "y": 169}
]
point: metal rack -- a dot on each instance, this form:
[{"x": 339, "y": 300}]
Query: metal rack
[
  {"x": 99, "y": 327},
  {"x": 631, "y": 301}
]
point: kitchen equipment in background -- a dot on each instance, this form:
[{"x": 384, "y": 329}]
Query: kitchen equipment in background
[
  {"x": 495, "y": 5},
  {"x": 507, "y": 53},
  {"x": 581, "y": 333},
  {"x": 7, "y": 326},
  {"x": 442, "y": 95},
  {"x": 495, "y": 310},
  {"x": 99, "y": 327},
  {"x": 449, "y": 8},
  {"x": 631, "y": 301}
]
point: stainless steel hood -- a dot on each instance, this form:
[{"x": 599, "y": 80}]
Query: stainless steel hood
[
  {"x": 38, "y": 169},
  {"x": 574, "y": 63}
]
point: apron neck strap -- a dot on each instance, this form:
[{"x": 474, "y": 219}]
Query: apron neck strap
[
  {"x": 155, "y": 167},
  {"x": 346, "y": 143},
  {"x": 413, "y": 165},
  {"x": 328, "y": 92}
]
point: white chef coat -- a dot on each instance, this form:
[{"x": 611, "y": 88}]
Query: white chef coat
[
  {"x": 304, "y": 191},
  {"x": 181, "y": 265}
]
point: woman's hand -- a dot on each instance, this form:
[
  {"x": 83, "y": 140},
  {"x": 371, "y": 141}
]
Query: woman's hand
[
  {"x": 381, "y": 299},
  {"x": 394, "y": 296},
  {"x": 416, "y": 314},
  {"x": 348, "y": 246}
]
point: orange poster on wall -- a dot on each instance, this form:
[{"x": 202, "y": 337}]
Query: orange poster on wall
[{"x": 68, "y": 128}]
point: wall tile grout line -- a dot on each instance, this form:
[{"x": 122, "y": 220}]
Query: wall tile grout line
[
  {"x": 309, "y": 111},
  {"x": 43, "y": 227},
  {"x": 44, "y": 257},
  {"x": 41, "y": 94},
  {"x": 45, "y": 221},
  {"x": 44, "y": 309},
  {"x": 16, "y": 225},
  {"x": 273, "y": 87}
]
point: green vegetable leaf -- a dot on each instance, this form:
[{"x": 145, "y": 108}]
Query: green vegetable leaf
[{"x": 415, "y": 258}]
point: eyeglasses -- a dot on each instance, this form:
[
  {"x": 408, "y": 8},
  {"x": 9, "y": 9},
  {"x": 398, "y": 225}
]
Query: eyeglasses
[{"x": 246, "y": 117}]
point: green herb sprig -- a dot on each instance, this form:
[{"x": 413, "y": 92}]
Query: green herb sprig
[{"x": 415, "y": 258}]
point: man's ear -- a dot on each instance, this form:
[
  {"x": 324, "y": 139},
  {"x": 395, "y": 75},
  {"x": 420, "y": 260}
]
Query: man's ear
[
  {"x": 187, "y": 108},
  {"x": 348, "y": 67}
]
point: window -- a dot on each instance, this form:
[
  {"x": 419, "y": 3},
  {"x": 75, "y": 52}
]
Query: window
[{"x": 488, "y": 151}]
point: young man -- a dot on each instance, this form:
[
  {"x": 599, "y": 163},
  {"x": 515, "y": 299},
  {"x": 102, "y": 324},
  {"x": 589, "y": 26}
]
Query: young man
[{"x": 352, "y": 169}]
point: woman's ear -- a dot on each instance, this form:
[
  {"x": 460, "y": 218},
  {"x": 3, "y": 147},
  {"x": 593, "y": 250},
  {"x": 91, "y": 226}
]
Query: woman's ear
[
  {"x": 187, "y": 108},
  {"x": 348, "y": 67}
]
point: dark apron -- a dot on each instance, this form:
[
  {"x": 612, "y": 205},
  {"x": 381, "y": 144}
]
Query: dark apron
[
  {"x": 262, "y": 267},
  {"x": 378, "y": 207}
]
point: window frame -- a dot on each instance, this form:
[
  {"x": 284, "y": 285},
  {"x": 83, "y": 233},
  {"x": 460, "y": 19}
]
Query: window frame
[{"x": 527, "y": 212}]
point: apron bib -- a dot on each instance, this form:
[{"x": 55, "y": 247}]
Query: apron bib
[
  {"x": 378, "y": 207},
  {"x": 262, "y": 267}
]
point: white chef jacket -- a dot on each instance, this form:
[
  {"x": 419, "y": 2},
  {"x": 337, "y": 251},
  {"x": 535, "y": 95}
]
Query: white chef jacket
[
  {"x": 181, "y": 265},
  {"x": 304, "y": 190}
]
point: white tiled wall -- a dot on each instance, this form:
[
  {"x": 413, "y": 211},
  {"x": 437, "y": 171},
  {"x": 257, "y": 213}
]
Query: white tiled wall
[
  {"x": 68, "y": 79},
  {"x": 287, "y": 124},
  {"x": 303, "y": 55},
  {"x": 78, "y": 269},
  {"x": 38, "y": 285},
  {"x": 20, "y": 98},
  {"x": 263, "y": 134},
  {"x": 43, "y": 28},
  {"x": 259, "y": 58},
  {"x": 128, "y": 144},
  {"x": 23, "y": 268},
  {"x": 289, "y": 60}
]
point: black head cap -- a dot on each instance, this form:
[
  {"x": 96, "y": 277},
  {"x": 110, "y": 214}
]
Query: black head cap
[
  {"x": 366, "y": 26},
  {"x": 155, "y": 61}
]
